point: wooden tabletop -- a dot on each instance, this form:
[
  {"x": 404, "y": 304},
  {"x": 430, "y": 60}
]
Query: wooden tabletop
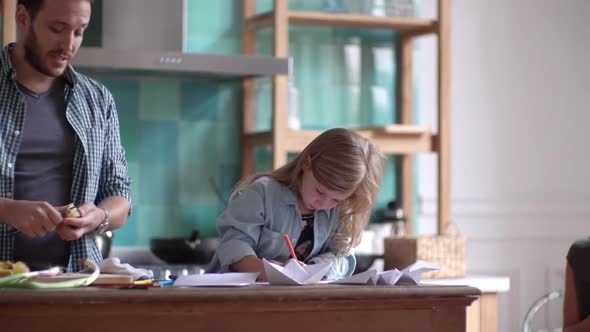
[
  {"x": 225, "y": 294},
  {"x": 261, "y": 308}
]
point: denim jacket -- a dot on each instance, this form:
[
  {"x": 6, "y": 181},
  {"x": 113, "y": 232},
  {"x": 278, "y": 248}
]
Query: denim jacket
[{"x": 256, "y": 220}]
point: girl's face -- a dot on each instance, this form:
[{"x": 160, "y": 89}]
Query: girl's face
[{"x": 314, "y": 196}]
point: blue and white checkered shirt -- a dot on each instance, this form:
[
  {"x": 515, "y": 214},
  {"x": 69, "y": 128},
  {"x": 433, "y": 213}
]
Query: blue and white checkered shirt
[{"x": 100, "y": 167}]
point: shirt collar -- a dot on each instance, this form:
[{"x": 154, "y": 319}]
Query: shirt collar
[
  {"x": 70, "y": 75},
  {"x": 5, "y": 63},
  {"x": 287, "y": 197}
]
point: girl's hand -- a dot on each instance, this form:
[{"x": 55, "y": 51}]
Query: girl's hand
[
  {"x": 277, "y": 262},
  {"x": 298, "y": 261},
  {"x": 285, "y": 263},
  {"x": 250, "y": 264},
  {"x": 301, "y": 263},
  {"x": 262, "y": 277}
]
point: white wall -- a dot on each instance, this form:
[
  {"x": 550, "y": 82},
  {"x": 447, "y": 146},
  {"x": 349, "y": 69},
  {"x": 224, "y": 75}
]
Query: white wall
[{"x": 520, "y": 162}]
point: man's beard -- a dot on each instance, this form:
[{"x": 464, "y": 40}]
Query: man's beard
[{"x": 34, "y": 57}]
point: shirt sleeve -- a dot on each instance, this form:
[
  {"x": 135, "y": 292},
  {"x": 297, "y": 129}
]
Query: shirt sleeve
[
  {"x": 114, "y": 180},
  {"x": 342, "y": 266},
  {"x": 240, "y": 226}
]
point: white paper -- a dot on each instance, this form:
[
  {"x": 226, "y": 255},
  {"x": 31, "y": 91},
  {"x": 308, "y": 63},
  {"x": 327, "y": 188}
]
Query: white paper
[
  {"x": 295, "y": 274},
  {"x": 389, "y": 277},
  {"x": 415, "y": 270},
  {"x": 368, "y": 277},
  {"x": 217, "y": 280},
  {"x": 409, "y": 276}
]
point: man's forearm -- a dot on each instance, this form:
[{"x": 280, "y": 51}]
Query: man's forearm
[
  {"x": 118, "y": 209},
  {"x": 3, "y": 203}
]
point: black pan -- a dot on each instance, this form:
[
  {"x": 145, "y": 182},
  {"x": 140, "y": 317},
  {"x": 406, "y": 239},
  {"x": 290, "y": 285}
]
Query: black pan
[{"x": 179, "y": 250}]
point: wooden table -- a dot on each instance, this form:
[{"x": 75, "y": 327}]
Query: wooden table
[{"x": 323, "y": 308}]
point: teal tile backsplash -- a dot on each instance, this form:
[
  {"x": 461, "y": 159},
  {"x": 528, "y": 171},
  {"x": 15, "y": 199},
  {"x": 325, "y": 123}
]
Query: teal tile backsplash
[
  {"x": 214, "y": 26},
  {"x": 182, "y": 138},
  {"x": 159, "y": 100}
]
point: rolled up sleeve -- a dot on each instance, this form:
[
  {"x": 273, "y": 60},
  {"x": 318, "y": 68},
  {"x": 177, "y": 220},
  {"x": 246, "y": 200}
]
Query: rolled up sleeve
[
  {"x": 342, "y": 266},
  {"x": 114, "y": 178},
  {"x": 240, "y": 226}
]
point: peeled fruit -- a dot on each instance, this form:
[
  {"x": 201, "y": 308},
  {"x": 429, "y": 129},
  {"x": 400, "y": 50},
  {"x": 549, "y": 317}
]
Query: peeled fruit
[
  {"x": 8, "y": 268},
  {"x": 20, "y": 267},
  {"x": 71, "y": 211}
]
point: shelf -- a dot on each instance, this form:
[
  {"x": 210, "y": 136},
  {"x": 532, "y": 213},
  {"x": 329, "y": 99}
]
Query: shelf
[
  {"x": 209, "y": 67},
  {"x": 407, "y": 25},
  {"x": 405, "y": 139},
  {"x": 391, "y": 139}
]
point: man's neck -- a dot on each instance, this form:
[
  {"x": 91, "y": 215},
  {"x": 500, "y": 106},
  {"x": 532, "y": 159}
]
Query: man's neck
[{"x": 28, "y": 76}]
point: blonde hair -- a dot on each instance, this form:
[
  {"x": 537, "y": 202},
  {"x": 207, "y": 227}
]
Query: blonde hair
[{"x": 341, "y": 160}]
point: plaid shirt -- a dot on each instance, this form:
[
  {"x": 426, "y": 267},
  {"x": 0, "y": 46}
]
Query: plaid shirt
[{"x": 100, "y": 168}]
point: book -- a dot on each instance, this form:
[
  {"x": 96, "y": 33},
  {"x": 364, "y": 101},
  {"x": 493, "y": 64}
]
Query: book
[{"x": 103, "y": 278}]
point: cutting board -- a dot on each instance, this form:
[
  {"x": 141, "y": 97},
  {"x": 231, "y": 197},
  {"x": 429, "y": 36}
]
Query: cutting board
[{"x": 103, "y": 278}]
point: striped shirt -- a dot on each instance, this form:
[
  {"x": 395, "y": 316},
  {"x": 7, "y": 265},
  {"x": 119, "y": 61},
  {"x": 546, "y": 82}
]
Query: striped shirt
[{"x": 100, "y": 167}]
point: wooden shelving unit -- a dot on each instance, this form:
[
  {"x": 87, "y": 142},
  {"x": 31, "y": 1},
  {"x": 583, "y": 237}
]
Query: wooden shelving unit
[
  {"x": 410, "y": 25},
  {"x": 392, "y": 139},
  {"x": 404, "y": 138}
]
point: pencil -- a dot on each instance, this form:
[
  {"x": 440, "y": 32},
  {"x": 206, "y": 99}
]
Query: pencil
[{"x": 290, "y": 246}]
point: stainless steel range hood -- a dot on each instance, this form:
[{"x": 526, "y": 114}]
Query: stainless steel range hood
[{"x": 148, "y": 38}]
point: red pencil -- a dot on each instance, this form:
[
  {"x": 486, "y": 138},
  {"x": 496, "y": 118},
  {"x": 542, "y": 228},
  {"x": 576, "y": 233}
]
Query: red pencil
[{"x": 290, "y": 246}]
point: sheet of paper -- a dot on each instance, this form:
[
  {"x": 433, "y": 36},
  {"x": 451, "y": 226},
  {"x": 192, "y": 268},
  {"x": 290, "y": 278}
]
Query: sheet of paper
[
  {"x": 389, "y": 277},
  {"x": 216, "y": 280},
  {"x": 409, "y": 276},
  {"x": 415, "y": 270},
  {"x": 371, "y": 277},
  {"x": 406, "y": 279},
  {"x": 368, "y": 277},
  {"x": 295, "y": 274}
]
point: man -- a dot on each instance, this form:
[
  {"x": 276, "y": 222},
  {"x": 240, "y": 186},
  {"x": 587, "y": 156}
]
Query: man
[{"x": 59, "y": 143}]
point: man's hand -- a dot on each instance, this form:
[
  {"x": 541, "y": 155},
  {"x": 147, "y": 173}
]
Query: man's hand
[
  {"x": 73, "y": 228},
  {"x": 31, "y": 218}
]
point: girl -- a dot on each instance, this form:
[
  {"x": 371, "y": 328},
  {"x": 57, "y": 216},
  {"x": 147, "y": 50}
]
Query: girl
[{"x": 322, "y": 200}]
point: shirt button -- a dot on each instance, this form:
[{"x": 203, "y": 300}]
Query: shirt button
[
  {"x": 9, "y": 195},
  {"x": 9, "y": 165},
  {"x": 16, "y": 133}
]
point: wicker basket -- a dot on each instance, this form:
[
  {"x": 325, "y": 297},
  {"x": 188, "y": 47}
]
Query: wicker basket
[{"x": 449, "y": 251}]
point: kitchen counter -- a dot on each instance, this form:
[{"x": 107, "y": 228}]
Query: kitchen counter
[
  {"x": 486, "y": 284},
  {"x": 323, "y": 308},
  {"x": 482, "y": 315}
]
